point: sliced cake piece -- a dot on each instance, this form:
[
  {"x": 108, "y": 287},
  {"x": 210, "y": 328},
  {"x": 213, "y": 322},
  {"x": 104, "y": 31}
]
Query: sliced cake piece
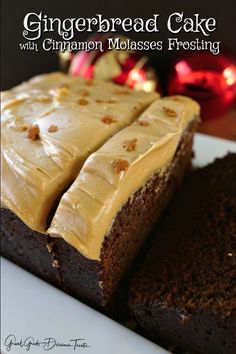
[
  {"x": 123, "y": 187},
  {"x": 185, "y": 291},
  {"x": 49, "y": 126},
  {"x": 106, "y": 215},
  {"x": 117, "y": 170}
]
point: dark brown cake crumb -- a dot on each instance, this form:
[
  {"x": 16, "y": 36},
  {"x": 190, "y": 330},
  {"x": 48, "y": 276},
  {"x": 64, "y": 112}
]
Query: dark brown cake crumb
[
  {"x": 33, "y": 132},
  {"x": 120, "y": 165},
  {"x": 108, "y": 120},
  {"x": 130, "y": 145},
  {"x": 52, "y": 128},
  {"x": 82, "y": 102},
  {"x": 169, "y": 112}
]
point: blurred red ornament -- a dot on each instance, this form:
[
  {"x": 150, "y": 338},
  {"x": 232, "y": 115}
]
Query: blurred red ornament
[
  {"x": 123, "y": 67},
  {"x": 207, "y": 78}
]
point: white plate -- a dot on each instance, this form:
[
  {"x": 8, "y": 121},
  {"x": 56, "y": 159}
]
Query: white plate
[
  {"x": 32, "y": 310},
  {"x": 207, "y": 148}
]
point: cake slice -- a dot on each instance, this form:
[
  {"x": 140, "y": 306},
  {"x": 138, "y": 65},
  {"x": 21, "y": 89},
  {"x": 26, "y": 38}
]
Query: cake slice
[
  {"x": 49, "y": 126},
  {"x": 112, "y": 174},
  {"x": 106, "y": 215},
  {"x": 121, "y": 191},
  {"x": 184, "y": 292}
]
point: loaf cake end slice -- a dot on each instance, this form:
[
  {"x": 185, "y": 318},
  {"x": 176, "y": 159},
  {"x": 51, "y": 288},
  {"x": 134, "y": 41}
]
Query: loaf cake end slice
[{"x": 184, "y": 293}]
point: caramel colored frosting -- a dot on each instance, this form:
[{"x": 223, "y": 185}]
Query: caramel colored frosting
[
  {"x": 112, "y": 174},
  {"x": 50, "y": 125}
]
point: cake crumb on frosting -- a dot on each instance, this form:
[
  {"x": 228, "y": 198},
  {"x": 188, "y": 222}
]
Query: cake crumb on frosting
[
  {"x": 84, "y": 93},
  {"x": 89, "y": 82},
  {"x": 105, "y": 101},
  {"x": 62, "y": 91},
  {"x": 108, "y": 120},
  {"x": 33, "y": 132},
  {"x": 82, "y": 101},
  {"x": 122, "y": 92},
  {"x": 120, "y": 165},
  {"x": 129, "y": 145},
  {"x": 169, "y": 112},
  {"x": 52, "y": 128},
  {"x": 143, "y": 123}
]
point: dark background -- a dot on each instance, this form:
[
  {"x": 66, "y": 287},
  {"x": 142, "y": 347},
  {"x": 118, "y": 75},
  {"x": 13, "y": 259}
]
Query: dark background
[{"x": 20, "y": 65}]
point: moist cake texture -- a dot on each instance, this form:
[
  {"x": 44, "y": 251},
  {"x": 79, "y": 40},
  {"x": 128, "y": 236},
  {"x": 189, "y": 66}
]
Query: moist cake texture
[
  {"x": 184, "y": 293},
  {"x": 102, "y": 221}
]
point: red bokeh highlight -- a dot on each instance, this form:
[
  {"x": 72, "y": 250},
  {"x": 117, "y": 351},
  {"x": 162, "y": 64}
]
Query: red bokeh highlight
[{"x": 209, "y": 79}]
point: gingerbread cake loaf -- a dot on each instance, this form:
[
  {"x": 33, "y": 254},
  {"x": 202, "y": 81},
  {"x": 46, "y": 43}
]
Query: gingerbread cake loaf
[
  {"x": 184, "y": 293},
  {"x": 87, "y": 169}
]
